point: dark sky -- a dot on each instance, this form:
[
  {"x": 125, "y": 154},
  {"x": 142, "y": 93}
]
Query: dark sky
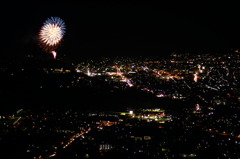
[{"x": 114, "y": 28}]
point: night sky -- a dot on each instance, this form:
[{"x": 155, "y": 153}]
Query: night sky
[{"x": 118, "y": 27}]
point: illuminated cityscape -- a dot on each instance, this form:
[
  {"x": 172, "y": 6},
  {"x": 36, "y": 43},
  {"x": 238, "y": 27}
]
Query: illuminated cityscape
[
  {"x": 119, "y": 79},
  {"x": 174, "y": 115}
]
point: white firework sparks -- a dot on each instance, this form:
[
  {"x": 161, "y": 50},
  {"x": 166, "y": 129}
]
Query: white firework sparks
[{"x": 52, "y": 32}]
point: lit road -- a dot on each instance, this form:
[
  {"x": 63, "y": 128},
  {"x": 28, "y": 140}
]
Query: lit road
[{"x": 73, "y": 138}]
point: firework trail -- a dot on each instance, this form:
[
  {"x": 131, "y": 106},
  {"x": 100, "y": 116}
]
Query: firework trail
[{"x": 54, "y": 53}]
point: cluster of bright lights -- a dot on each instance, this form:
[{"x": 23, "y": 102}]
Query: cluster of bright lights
[
  {"x": 52, "y": 32},
  {"x": 195, "y": 77}
]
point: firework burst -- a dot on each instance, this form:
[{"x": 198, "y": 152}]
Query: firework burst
[{"x": 51, "y": 33}]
